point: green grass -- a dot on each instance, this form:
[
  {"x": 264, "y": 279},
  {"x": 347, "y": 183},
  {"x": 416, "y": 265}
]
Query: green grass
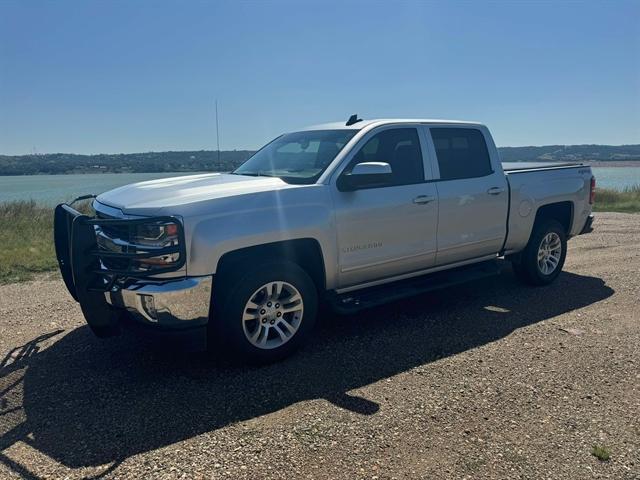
[
  {"x": 601, "y": 453},
  {"x": 628, "y": 200},
  {"x": 26, "y": 240}
]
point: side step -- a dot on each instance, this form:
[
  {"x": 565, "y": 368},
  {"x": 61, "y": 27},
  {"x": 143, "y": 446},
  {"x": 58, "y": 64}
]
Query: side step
[{"x": 373, "y": 296}]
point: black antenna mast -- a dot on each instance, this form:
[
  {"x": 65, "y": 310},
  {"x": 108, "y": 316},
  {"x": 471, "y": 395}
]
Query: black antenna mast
[{"x": 217, "y": 133}]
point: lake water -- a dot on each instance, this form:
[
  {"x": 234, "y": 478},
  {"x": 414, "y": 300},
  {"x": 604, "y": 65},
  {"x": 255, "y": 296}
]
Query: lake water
[
  {"x": 53, "y": 189},
  {"x": 617, "y": 178}
]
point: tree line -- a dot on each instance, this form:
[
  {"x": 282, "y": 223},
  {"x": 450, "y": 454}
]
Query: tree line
[
  {"x": 151, "y": 162},
  {"x": 210, "y": 161}
]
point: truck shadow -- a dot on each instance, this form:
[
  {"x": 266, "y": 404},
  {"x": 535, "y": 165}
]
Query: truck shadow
[{"x": 88, "y": 402}]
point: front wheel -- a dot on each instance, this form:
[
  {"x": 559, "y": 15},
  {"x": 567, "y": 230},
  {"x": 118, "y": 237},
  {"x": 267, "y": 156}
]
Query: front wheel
[
  {"x": 265, "y": 313},
  {"x": 541, "y": 261}
]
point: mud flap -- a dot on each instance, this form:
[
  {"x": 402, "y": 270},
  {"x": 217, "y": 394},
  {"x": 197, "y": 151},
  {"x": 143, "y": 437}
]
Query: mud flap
[{"x": 103, "y": 319}]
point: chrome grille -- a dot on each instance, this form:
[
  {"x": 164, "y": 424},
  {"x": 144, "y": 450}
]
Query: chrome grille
[
  {"x": 120, "y": 232},
  {"x": 112, "y": 238}
]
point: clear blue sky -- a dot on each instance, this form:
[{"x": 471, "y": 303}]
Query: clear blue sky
[{"x": 90, "y": 77}]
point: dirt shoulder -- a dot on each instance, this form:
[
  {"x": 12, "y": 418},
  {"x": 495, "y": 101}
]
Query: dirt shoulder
[{"x": 487, "y": 380}]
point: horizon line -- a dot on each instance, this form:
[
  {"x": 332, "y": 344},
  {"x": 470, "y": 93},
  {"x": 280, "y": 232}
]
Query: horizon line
[{"x": 254, "y": 150}]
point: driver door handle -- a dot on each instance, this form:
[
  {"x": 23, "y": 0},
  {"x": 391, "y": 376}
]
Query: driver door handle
[
  {"x": 495, "y": 190},
  {"x": 423, "y": 199}
]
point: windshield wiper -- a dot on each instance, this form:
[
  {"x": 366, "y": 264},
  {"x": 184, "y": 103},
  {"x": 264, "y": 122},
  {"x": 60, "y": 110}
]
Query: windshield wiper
[{"x": 253, "y": 174}]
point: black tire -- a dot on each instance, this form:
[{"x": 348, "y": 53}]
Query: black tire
[
  {"x": 526, "y": 266},
  {"x": 235, "y": 287}
]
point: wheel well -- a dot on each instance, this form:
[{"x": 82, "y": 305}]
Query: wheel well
[
  {"x": 305, "y": 252},
  {"x": 561, "y": 211}
]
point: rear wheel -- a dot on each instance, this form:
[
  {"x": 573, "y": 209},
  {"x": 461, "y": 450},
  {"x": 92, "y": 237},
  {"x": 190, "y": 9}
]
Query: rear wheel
[
  {"x": 264, "y": 313},
  {"x": 543, "y": 258}
]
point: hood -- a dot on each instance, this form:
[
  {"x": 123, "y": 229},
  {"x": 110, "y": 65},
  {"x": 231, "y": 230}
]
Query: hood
[{"x": 175, "y": 191}]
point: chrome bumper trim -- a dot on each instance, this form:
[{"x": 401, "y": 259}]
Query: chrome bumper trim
[{"x": 167, "y": 303}]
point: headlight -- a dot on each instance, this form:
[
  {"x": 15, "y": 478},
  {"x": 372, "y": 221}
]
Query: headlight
[
  {"x": 146, "y": 246},
  {"x": 148, "y": 237},
  {"x": 155, "y": 234}
]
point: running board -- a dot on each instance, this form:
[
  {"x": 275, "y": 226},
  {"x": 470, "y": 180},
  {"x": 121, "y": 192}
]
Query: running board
[{"x": 371, "y": 297}]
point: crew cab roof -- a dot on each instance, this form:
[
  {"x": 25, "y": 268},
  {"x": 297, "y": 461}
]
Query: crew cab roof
[{"x": 384, "y": 121}]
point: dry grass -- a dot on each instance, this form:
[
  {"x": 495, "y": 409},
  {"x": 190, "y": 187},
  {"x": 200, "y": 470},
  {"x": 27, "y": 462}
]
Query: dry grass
[
  {"x": 26, "y": 237},
  {"x": 26, "y": 232},
  {"x": 627, "y": 200}
]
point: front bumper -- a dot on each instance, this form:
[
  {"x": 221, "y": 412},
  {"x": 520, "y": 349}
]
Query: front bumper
[
  {"x": 105, "y": 293},
  {"x": 169, "y": 304}
]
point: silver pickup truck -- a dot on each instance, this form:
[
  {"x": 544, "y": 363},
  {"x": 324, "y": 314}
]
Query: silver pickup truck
[{"x": 352, "y": 214}]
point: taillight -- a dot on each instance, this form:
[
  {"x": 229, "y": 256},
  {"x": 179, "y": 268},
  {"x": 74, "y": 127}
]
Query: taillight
[{"x": 592, "y": 192}]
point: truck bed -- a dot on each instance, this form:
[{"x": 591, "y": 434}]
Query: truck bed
[
  {"x": 527, "y": 166},
  {"x": 534, "y": 184}
]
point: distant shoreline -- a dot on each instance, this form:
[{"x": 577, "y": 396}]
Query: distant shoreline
[
  {"x": 591, "y": 163},
  {"x": 613, "y": 163},
  {"x": 228, "y": 160},
  {"x": 98, "y": 172}
]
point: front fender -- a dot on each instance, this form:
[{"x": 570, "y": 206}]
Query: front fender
[{"x": 260, "y": 219}]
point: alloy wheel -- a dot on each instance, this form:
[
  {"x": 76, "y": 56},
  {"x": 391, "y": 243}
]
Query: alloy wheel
[
  {"x": 549, "y": 253},
  {"x": 272, "y": 315}
]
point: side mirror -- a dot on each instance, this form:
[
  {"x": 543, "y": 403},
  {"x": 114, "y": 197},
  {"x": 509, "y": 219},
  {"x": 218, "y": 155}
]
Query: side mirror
[{"x": 365, "y": 175}]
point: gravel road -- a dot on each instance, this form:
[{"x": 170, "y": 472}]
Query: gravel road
[{"x": 488, "y": 380}]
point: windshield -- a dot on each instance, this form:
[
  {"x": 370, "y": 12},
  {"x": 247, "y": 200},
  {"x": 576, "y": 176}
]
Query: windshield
[{"x": 298, "y": 157}]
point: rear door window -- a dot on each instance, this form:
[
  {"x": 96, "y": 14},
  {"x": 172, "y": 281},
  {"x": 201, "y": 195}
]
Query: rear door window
[{"x": 461, "y": 153}]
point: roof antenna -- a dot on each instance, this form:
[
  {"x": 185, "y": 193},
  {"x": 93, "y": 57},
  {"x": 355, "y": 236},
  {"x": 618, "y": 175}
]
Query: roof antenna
[
  {"x": 353, "y": 119},
  {"x": 217, "y": 133}
]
